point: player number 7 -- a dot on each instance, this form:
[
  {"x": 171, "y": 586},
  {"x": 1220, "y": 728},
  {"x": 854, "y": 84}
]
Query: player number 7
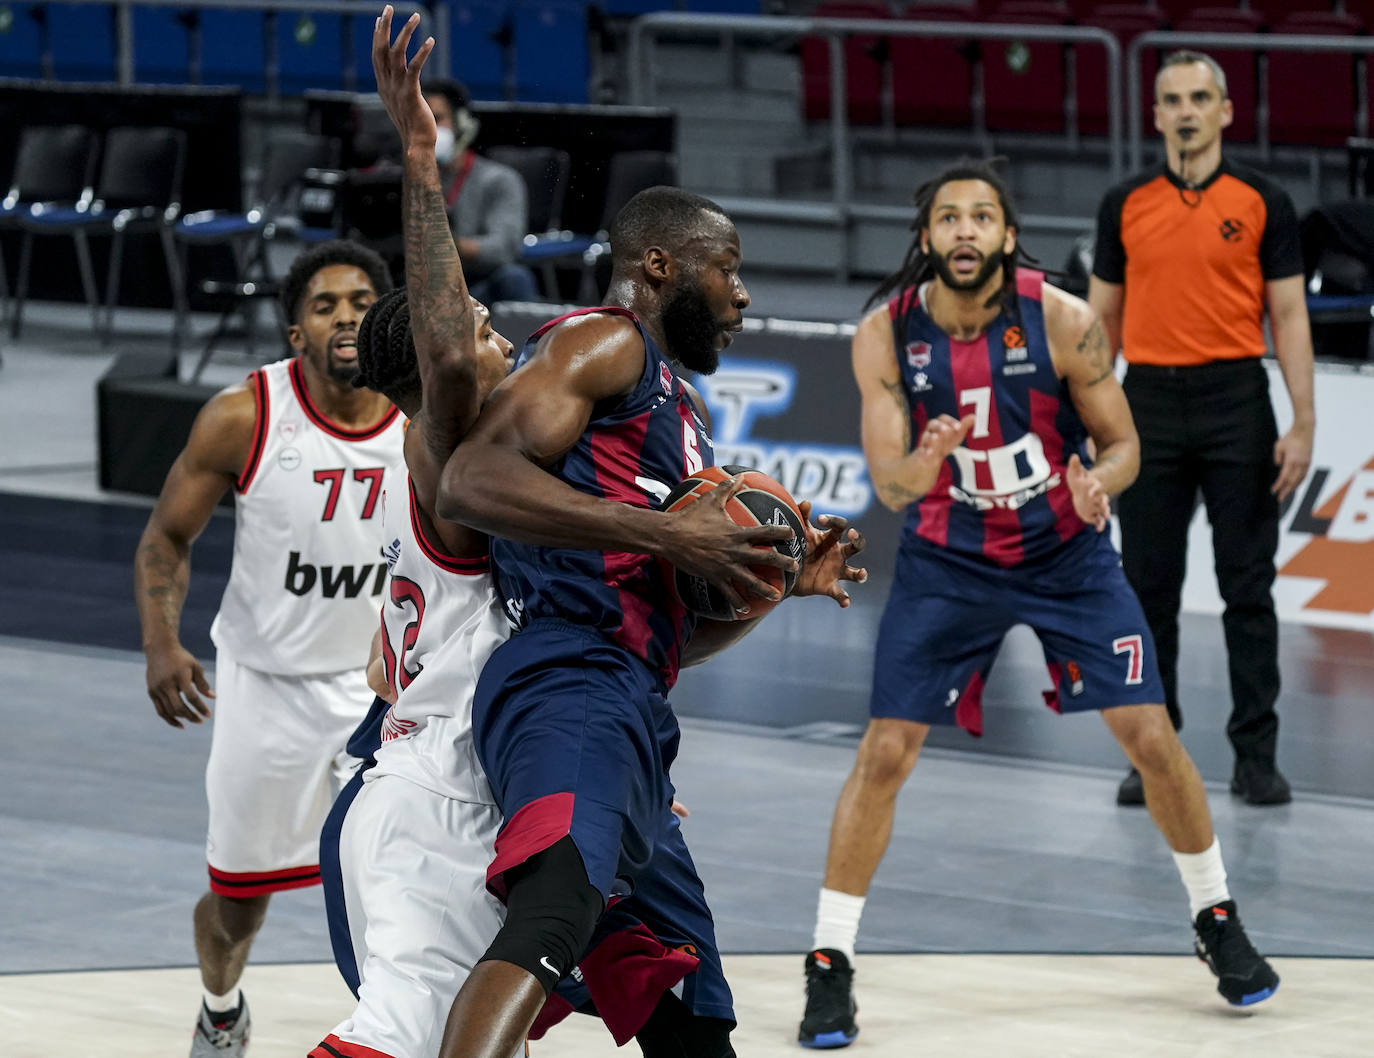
[{"x": 981, "y": 399}]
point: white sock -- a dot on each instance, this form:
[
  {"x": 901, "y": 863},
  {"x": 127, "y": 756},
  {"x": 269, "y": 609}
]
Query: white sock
[
  {"x": 837, "y": 921},
  {"x": 225, "y": 1003},
  {"x": 1204, "y": 875}
]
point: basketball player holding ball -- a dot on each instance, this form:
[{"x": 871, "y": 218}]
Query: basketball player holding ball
[{"x": 570, "y": 719}]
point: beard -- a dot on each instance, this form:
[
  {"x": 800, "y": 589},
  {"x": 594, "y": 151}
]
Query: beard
[
  {"x": 340, "y": 371},
  {"x": 991, "y": 265},
  {"x": 691, "y": 329}
]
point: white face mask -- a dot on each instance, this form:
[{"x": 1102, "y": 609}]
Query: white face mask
[{"x": 443, "y": 145}]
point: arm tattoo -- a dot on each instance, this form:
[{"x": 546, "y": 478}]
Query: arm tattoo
[
  {"x": 1093, "y": 345},
  {"x": 899, "y": 395},
  {"x": 164, "y": 578},
  {"x": 898, "y": 495}
]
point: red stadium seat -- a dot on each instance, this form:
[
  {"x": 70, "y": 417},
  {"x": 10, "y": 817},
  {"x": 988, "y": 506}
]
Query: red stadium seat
[
  {"x": 1312, "y": 95},
  {"x": 1023, "y": 81},
  {"x": 1239, "y": 66},
  {"x": 1125, "y": 22},
  {"x": 932, "y": 78},
  {"x": 863, "y": 58}
]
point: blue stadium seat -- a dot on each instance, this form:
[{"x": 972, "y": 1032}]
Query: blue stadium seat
[
  {"x": 21, "y": 41},
  {"x": 233, "y": 49},
  {"x": 83, "y": 41},
  {"x": 310, "y": 50},
  {"x": 360, "y": 52},
  {"x": 722, "y": 7},
  {"x": 478, "y": 56},
  {"x": 551, "y": 53},
  {"x": 161, "y": 46}
]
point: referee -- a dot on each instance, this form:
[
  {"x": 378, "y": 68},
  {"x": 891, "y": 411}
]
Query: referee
[{"x": 1187, "y": 258}]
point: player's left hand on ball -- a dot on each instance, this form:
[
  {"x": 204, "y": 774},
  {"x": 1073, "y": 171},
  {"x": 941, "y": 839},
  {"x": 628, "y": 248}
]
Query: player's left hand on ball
[
  {"x": 830, "y": 543},
  {"x": 1090, "y": 500}
]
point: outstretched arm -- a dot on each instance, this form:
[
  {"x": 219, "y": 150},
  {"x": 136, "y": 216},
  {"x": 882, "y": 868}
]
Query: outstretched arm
[
  {"x": 496, "y": 482},
  {"x": 214, "y": 454},
  {"x": 441, "y": 312}
]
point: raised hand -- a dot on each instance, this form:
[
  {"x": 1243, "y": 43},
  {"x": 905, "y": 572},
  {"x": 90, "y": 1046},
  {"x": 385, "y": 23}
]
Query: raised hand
[
  {"x": 1090, "y": 499},
  {"x": 398, "y": 82},
  {"x": 942, "y": 435},
  {"x": 830, "y": 544},
  {"x": 702, "y": 540}
]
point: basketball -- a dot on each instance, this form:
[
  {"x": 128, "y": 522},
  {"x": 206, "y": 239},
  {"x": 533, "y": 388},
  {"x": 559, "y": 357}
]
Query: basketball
[{"x": 762, "y": 501}]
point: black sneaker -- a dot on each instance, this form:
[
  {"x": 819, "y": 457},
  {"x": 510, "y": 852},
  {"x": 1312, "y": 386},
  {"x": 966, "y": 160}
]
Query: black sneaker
[
  {"x": 1132, "y": 789},
  {"x": 830, "y": 1006},
  {"x": 1243, "y": 976},
  {"x": 1259, "y": 785}
]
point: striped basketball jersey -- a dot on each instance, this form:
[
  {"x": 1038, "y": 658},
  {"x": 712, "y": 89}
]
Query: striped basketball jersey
[
  {"x": 633, "y": 451},
  {"x": 441, "y": 620},
  {"x": 1002, "y": 494},
  {"x": 307, "y": 572}
]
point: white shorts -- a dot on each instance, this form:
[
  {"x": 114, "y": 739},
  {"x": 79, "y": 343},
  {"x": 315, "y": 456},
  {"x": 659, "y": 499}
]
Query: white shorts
[
  {"x": 414, "y": 870},
  {"x": 277, "y": 759}
]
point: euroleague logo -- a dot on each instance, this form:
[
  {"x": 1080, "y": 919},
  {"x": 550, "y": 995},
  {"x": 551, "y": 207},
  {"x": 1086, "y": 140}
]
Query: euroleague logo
[{"x": 1231, "y": 229}]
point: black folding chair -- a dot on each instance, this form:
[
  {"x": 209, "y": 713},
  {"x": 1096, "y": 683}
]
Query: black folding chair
[
  {"x": 545, "y": 171},
  {"x": 629, "y": 173},
  {"x": 53, "y": 169},
  {"x": 139, "y": 191}
]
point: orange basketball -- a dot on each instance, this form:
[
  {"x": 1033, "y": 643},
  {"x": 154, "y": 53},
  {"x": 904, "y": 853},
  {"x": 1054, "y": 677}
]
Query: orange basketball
[{"x": 762, "y": 501}]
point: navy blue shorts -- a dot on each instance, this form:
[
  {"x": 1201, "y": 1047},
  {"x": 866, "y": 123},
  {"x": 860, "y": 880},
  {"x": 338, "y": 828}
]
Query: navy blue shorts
[
  {"x": 948, "y": 614},
  {"x": 576, "y": 738}
]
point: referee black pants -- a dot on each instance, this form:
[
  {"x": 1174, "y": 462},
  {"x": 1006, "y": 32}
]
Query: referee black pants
[{"x": 1210, "y": 430}]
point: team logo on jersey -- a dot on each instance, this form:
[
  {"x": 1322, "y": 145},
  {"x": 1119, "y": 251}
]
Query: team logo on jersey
[
  {"x": 665, "y": 378},
  {"x": 1231, "y": 229},
  {"x": 289, "y": 458},
  {"x": 918, "y": 355},
  {"x": 1075, "y": 678},
  {"x": 288, "y": 428}
]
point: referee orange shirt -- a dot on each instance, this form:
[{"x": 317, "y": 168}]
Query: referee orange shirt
[{"x": 1194, "y": 261}]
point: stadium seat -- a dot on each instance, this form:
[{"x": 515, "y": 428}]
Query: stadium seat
[
  {"x": 233, "y": 49},
  {"x": 545, "y": 171},
  {"x": 309, "y": 50},
  {"x": 1023, "y": 81},
  {"x": 481, "y": 32},
  {"x": 21, "y": 40},
  {"x": 82, "y": 41},
  {"x": 1125, "y": 22},
  {"x": 1239, "y": 66},
  {"x": 162, "y": 45},
  {"x": 552, "y": 51},
  {"x": 1312, "y": 94},
  {"x": 864, "y": 58},
  {"x": 932, "y": 77}
]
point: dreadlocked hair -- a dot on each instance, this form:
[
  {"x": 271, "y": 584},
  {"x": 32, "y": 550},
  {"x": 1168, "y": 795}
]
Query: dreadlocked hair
[
  {"x": 386, "y": 351},
  {"x": 917, "y": 266}
]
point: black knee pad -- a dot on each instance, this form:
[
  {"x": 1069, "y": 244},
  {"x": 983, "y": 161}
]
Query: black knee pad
[
  {"x": 673, "y": 1031},
  {"x": 551, "y": 910}
]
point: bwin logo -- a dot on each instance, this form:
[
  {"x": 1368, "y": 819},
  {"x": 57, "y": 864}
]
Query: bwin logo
[{"x": 333, "y": 580}]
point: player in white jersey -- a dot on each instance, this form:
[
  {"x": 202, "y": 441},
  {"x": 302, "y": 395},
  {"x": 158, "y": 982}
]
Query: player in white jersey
[
  {"x": 307, "y": 454},
  {"x": 412, "y": 835}
]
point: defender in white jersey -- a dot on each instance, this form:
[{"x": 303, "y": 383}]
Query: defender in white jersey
[{"x": 307, "y": 454}]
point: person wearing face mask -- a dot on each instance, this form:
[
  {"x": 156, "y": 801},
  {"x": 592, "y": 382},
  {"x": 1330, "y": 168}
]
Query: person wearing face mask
[
  {"x": 1188, "y": 258},
  {"x": 487, "y": 204}
]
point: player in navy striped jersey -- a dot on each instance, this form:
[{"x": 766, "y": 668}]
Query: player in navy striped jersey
[{"x": 980, "y": 385}]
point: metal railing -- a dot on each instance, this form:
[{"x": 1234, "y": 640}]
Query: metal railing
[
  {"x": 1260, "y": 43},
  {"x": 645, "y": 30},
  {"x": 126, "y": 72}
]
